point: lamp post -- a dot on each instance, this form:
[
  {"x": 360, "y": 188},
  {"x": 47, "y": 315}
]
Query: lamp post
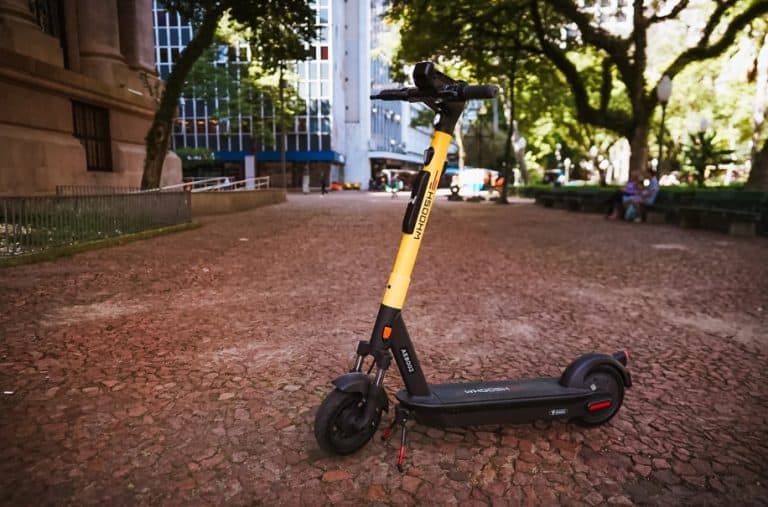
[
  {"x": 663, "y": 92},
  {"x": 703, "y": 125},
  {"x": 704, "y": 151},
  {"x": 283, "y": 140}
]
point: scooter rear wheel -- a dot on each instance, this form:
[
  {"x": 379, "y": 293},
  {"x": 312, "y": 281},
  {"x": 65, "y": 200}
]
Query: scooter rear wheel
[
  {"x": 336, "y": 423},
  {"x": 605, "y": 379}
]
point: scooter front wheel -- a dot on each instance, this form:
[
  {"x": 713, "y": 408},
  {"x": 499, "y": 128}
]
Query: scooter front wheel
[{"x": 338, "y": 425}]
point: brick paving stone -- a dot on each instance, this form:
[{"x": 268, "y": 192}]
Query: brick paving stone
[
  {"x": 410, "y": 484},
  {"x": 187, "y": 369},
  {"x": 336, "y": 475},
  {"x": 594, "y": 498}
]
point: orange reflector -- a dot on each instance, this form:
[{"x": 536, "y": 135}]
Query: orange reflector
[
  {"x": 599, "y": 405},
  {"x": 387, "y": 332}
]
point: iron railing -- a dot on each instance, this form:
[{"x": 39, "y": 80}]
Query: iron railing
[
  {"x": 222, "y": 183},
  {"x": 32, "y": 224},
  {"x": 217, "y": 183},
  {"x": 83, "y": 190}
]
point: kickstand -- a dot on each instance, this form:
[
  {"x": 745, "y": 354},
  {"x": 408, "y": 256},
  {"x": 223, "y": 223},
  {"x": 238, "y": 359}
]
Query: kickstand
[{"x": 401, "y": 417}]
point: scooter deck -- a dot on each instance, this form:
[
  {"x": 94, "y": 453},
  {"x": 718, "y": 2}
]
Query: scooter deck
[{"x": 496, "y": 402}]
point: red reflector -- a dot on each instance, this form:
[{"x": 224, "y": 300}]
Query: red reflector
[{"x": 599, "y": 405}]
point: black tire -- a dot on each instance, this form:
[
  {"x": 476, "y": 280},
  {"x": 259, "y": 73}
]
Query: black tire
[
  {"x": 334, "y": 423},
  {"x": 608, "y": 380}
]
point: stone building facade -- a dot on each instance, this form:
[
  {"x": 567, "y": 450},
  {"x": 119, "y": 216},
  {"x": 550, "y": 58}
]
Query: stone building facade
[{"x": 78, "y": 90}]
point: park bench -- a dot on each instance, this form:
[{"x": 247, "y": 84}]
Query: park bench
[
  {"x": 574, "y": 199},
  {"x": 733, "y": 211},
  {"x": 738, "y": 213},
  {"x": 545, "y": 197},
  {"x": 665, "y": 209}
]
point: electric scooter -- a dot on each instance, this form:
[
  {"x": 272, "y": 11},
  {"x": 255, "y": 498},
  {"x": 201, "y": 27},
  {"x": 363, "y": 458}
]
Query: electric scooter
[{"x": 590, "y": 390}]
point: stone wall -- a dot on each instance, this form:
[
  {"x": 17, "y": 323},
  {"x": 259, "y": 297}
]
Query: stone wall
[
  {"x": 212, "y": 203},
  {"x": 103, "y": 57}
]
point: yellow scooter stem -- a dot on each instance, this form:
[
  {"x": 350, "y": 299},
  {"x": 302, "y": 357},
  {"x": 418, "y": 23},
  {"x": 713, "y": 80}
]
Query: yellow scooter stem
[{"x": 400, "y": 278}]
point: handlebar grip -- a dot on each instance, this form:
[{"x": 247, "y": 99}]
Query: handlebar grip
[
  {"x": 450, "y": 93},
  {"x": 479, "y": 92},
  {"x": 394, "y": 94}
]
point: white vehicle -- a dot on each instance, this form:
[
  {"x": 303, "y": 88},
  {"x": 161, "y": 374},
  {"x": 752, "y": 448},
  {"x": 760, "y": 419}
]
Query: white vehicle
[{"x": 473, "y": 182}]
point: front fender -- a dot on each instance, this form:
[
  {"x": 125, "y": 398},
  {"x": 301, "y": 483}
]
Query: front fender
[
  {"x": 577, "y": 371},
  {"x": 357, "y": 382}
]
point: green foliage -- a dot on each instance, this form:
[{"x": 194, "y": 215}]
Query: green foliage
[
  {"x": 495, "y": 42},
  {"x": 717, "y": 90},
  {"x": 278, "y": 31},
  {"x": 611, "y": 77},
  {"x": 489, "y": 42},
  {"x": 194, "y": 153},
  {"x": 195, "y": 157},
  {"x": 703, "y": 152},
  {"x": 242, "y": 88}
]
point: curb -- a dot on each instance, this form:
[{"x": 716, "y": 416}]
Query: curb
[{"x": 66, "y": 251}]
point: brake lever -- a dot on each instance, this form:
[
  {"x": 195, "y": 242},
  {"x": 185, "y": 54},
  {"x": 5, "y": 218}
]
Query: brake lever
[{"x": 451, "y": 92}]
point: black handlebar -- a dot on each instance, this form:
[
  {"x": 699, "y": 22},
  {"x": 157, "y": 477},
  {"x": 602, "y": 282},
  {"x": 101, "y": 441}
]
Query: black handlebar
[
  {"x": 458, "y": 92},
  {"x": 445, "y": 96},
  {"x": 480, "y": 92}
]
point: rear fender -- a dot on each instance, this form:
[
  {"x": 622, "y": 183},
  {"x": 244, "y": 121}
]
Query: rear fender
[{"x": 577, "y": 371}]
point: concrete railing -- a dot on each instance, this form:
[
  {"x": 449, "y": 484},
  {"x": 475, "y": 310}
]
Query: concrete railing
[{"x": 211, "y": 203}]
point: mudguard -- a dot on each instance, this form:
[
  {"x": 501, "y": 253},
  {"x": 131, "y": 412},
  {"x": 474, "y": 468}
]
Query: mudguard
[
  {"x": 358, "y": 382},
  {"x": 354, "y": 382},
  {"x": 574, "y": 374}
]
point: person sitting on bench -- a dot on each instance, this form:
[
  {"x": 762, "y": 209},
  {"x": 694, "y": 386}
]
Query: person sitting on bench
[
  {"x": 646, "y": 197},
  {"x": 622, "y": 198}
]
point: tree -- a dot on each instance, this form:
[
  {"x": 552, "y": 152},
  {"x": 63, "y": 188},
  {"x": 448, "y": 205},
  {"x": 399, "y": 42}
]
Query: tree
[
  {"x": 625, "y": 59},
  {"x": 242, "y": 89},
  {"x": 492, "y": 40},
  {"x": 758, "y": 175},
  {"x": 278, "y": 31},
  {"x": 496, "y": 42}
]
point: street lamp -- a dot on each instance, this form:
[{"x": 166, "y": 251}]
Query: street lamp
[
  {"x": 283, "y": 140},
  {"x": 703, "y": 125},
  {"x": 663, "y": 92}
]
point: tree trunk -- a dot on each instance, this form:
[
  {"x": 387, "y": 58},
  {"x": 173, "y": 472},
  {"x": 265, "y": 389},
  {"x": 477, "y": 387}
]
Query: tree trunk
[
  {"x": 761, "y": 91},
  {"x": 508, "y": 155},
  {"x": 520, "y": 144},
  {"x": 458, "y": 137},
  {"x": 509, "y": 161},
  {"x": 159, "y": 135},
  {"x": 758, "y": 176},
  {"x": 638, "y": 143}
]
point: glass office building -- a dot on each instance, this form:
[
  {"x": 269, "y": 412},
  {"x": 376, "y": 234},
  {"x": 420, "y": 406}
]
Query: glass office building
[{"x": 336, "y": 133}]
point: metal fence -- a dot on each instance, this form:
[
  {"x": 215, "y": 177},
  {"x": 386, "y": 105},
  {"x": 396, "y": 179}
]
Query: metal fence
[
  {"x": 32, "y": 224},
  {"x": 69, "y": 190},
  {"x": 190, "y": 185}
]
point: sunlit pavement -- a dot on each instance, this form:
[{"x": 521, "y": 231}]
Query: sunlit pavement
[{"x": 186, "y": 369}]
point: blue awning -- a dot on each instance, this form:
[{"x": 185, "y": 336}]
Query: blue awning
[{"x": 290, "y": 156}]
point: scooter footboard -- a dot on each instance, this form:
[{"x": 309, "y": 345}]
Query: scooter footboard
[
  {"x": 498, "y": 414},
  {"x": 496, "y": 402}
]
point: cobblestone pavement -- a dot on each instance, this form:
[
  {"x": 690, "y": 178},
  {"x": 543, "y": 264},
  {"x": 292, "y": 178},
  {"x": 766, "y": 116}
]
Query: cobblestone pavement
[{"x": 187, "y": 369}]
